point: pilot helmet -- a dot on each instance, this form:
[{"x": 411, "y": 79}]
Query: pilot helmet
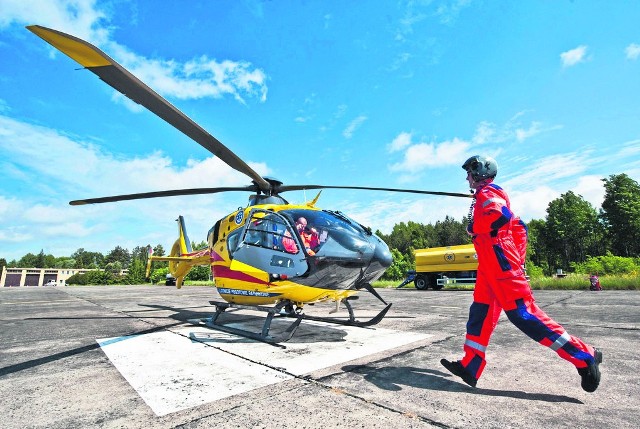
[{"x": 481, "y": 167}]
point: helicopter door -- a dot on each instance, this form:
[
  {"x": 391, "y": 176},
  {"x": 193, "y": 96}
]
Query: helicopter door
[{"x": 269, "y": 243}]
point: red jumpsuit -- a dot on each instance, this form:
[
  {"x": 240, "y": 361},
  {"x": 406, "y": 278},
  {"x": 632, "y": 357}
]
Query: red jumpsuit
[{"x": 500, "y": 238}]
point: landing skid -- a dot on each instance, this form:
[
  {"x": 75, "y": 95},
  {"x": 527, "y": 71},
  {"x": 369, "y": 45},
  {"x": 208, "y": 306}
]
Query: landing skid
[
  {"x": 263, "y": 336},
  {"x": 351, "y": 321},
  {"x": 286, "y": 309}
]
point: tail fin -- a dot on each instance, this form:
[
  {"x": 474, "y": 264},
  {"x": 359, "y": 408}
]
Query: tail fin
[
  {"x": 185, "y": 243},
  {"x": 149, "y": 261},
  {"x": 182, "y": 257}
]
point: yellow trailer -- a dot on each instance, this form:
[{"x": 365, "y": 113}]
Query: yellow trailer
[{"x": 439, "y": 266}]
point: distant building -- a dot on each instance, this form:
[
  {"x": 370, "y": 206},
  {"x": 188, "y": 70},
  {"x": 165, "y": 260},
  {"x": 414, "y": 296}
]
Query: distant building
[{"x": 39, "y": 276}]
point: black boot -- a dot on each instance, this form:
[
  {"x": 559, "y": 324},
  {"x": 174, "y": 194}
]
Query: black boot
[
  {"x": 456, "y": 368},
  {"x": 591, "y": 373}
]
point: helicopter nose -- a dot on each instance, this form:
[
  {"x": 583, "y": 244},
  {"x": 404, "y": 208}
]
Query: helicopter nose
[
  {"x": 380, "y": 260},
  {"x": 382, "y": 254}
]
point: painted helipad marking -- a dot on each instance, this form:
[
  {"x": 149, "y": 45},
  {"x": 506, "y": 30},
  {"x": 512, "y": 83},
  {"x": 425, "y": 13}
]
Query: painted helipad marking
[
  {"x": 300, "y": 358},
  {"x": 172, "y": 373},
  {"x": 194, "y": 365}
]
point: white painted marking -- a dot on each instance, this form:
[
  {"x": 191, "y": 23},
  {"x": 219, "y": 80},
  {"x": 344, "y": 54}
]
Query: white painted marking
[
  {"x": 171, "y": 372},
  {"x": 301, "y": 358}
]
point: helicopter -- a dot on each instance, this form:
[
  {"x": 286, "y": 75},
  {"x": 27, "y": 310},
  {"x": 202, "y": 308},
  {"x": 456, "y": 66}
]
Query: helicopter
[{"x": 270, "y": 256}]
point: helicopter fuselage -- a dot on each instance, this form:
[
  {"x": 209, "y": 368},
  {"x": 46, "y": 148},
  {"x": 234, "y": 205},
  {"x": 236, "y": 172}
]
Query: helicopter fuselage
[{"x": 261, "y": 255}]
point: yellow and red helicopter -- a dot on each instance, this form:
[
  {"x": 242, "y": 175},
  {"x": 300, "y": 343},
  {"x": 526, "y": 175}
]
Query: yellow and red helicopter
[{"x": 259, "y": 256}]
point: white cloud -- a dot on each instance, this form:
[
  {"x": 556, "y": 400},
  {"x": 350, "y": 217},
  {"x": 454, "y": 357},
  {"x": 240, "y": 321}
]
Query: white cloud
[
  {"x": 83, "y": 170},
  {"x": 485, "y": 132},
  {"x": 420, "y": 155},
  {"x": 448, "y": 12},
  {"x": 82, "y": 18},
  {"x": 385, "y": 211},
  {"x": 79, "y": 164},
  {"x": 353, "y": 126},
  {"x": 513, "y": 129},
  {"x": 574, "y": 56},
  {"x": 591, "y": 188},
  {"x": 632, "y": 51},
  {"x": 523, "y": 134},
  {"x": 550, "y": 169},
  {"x": 423, "y": 155},
  {"x": 401, "y": 141},
  {"x": 199, "y": 77},
  {"x": 532, "y": 202}
]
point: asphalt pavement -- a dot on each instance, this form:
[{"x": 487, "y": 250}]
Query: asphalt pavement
[{"x": 128, "y": 357}]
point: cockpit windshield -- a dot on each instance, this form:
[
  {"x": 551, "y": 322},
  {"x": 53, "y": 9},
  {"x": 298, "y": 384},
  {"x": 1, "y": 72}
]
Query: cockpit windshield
[
  {"x": 318, "y": 229},
  {"x": 312, "y": 245}
]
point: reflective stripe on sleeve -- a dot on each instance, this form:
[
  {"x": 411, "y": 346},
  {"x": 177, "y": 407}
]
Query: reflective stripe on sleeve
[{"x": 494, "y": 200}]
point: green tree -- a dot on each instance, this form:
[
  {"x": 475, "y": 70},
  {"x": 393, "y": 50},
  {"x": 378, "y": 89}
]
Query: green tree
[
  {"x": 410, "y": 234},
  {"x": 399, "y": 267},
  {"x": 450, "y": 232},
  {"x": 40, "y": 260},
  {"x": 136, "y": 272},
  {"x": 65, "y": 262},
  {"x": 199, "y": 246},
  {"x": 86, "y": 259},
  {"x": 573, "y": 230},
  {"x": 140, "y": 253},
  {"x": 118, "y": 254},
  {"x": 621, "y": 214},
  {"x": 159, "y": 251},
  {"x": 607, "y": 264},
  {"x": 114, "y": 267},
  {"x": 28, "y": 260},
  {"x": 159, "y": 275},
  {"x": 199, "y": 273},
  {"x": 97, "y": 277},
  {"x": 536, "y": 248}
]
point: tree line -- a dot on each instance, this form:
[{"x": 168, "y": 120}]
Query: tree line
[
  {"x": 573, "y": 236},
  {"x": 118, "y": 266}
]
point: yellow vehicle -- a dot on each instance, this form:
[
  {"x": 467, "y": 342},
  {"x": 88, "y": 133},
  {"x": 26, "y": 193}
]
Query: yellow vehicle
[{"x": 439, "y": 266}]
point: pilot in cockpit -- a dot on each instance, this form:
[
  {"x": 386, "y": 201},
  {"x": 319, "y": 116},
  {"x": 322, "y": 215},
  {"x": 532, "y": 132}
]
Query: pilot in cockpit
[{"x": 308, "y": 235}]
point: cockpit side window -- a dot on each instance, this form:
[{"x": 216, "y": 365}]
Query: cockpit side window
[
  {"x": 232, "y": 241},
  {"x": 270, "y": 231}
]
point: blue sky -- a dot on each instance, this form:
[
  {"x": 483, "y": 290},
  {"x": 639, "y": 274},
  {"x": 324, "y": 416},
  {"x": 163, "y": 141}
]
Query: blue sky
[{"x": 369, "y": 93}]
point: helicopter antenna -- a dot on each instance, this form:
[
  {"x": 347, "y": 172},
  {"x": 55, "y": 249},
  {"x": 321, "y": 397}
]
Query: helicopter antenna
[{"x": 315, "y": 200}]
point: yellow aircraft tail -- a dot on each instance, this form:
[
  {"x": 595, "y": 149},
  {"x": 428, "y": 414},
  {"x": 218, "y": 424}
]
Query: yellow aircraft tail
[{"x": 182, "y": 257}]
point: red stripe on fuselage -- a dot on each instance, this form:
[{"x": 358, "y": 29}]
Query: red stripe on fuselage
[
  {"x": 215, "y": 257},
  {"x": 221, "y": 271}
]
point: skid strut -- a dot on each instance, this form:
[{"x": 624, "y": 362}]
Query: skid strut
[
  {"x": 286, "y": 309},
  {"x": 264, "y": 335}
]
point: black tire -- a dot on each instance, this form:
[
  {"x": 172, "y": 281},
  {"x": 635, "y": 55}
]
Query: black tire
[{"x": 421, "y": 282}]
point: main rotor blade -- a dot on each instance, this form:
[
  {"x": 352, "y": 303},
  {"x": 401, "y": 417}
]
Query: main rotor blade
[
  {"x": 99, "y": 63},
  {"x": 171, "y": 193},
  {"x": 286, "y": 188}
]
